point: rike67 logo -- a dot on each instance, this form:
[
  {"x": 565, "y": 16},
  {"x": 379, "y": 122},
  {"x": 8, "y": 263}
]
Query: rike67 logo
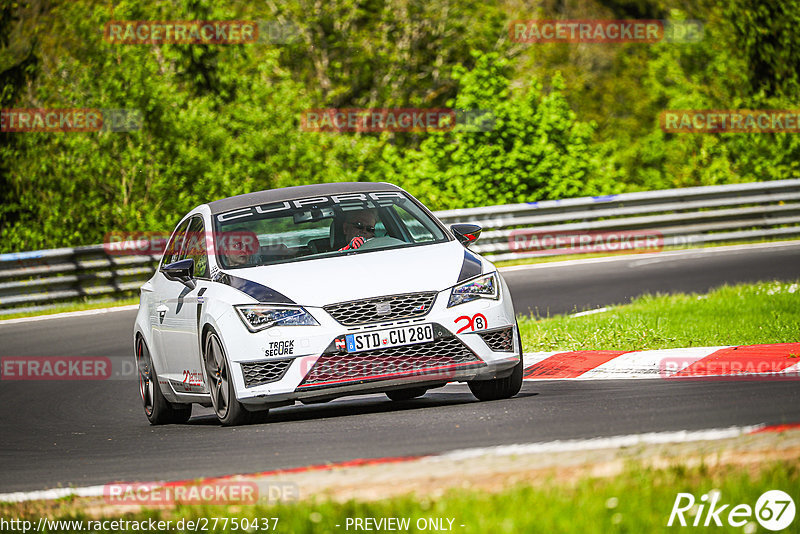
[{"x": 774, "y": 510}]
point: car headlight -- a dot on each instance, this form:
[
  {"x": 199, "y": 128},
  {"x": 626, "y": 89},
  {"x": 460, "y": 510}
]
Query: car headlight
[
  {"x": 483, "y": 287},
  {"x": 258, "y": 317}
]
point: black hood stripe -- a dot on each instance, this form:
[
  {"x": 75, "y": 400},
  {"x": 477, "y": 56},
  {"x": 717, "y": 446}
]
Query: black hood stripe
[
  {"x": 471, "y": 267},
  {"x": 254, "y": 289}
]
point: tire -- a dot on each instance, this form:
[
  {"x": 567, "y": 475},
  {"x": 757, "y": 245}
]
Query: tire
[
  {"x": 227, "y": 408},
  {"x": 157, "y": 408},
  {"x": 406, "y": 394},
  {"x": 500, "y": 388}
]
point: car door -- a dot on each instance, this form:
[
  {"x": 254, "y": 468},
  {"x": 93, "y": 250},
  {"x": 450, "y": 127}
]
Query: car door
[
  {"x": 163, "y": 288},
  {"x": 181, "y": 306}
]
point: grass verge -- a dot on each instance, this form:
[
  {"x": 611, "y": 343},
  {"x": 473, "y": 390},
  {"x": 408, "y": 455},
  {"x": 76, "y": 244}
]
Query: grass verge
[
  {"x": 73, "y": 306},
  {"x": 745, "y": 314},
  {"x": 641, "y": 500}
]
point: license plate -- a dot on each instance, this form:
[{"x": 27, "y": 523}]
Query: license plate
[{"x": 391, "y": 337}]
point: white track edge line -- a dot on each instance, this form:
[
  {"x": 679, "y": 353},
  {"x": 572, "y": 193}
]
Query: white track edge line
[
  {"x": 613, "y": 442},
  {"x": 81, "y": 313},
  {"x": 50, "y": 494},
  {"x": 590, "y": 312}
]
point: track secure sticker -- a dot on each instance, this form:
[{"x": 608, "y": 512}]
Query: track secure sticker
[{"x": 280, "y": 348}]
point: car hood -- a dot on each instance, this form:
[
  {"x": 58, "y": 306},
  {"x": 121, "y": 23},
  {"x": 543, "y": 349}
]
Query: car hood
[{"x": 368, "y": 274}]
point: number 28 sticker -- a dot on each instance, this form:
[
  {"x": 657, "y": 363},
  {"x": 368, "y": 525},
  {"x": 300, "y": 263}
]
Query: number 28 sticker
[{"x": 476, "y": 322}]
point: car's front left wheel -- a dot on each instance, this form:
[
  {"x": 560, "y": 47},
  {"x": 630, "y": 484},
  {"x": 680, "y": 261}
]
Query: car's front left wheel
[
  {"x": 500, "y": 388},
  {"x": 227, "y": 408},
  {"x": 157, "y": 408}
]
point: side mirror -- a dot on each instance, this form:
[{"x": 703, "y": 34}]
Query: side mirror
[
  {"x": 466, "y": 233},
  {"x": 180, "y": 271}
]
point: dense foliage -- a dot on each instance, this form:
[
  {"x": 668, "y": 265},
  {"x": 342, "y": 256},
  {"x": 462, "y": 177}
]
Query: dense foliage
[{"x": 218, "y": 120}]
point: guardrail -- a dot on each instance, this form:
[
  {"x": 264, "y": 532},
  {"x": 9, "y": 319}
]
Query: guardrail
[
  {"x": 677, "y": 217},
  {"x": 40, "y": 279}
]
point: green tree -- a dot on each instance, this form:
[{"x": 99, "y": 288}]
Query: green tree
[
  {"x": 768, "y": 34},
  {"x": 536, "y": 148}
]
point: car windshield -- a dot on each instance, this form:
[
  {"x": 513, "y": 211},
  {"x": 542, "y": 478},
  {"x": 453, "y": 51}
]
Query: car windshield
[{"x": 323, "y": 226}]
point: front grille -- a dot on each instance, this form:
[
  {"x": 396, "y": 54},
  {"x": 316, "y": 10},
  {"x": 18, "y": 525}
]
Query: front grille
[
  {"x": 379, "y": 309},
  {"x": 435, "y": 359},
  {"x": 258, "y": 373},
  {"x": 500, "y": 340}
]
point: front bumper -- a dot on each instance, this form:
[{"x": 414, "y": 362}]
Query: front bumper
[{"x": 477, "y": 340}]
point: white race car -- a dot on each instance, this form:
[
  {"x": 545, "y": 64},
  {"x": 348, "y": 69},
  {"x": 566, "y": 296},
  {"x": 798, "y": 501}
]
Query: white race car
[{"x": 315, "y": 292}]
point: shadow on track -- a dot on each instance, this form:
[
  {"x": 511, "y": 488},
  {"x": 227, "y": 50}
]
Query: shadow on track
[{"x": 353, "y": 406}]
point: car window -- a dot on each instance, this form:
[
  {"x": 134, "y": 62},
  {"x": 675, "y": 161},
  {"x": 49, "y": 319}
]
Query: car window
[
  {"x": 194, "y": 247},
  {"x": 321, "y": 227},
  {"x": 173, "y": 249},
  {"x": 414, "y": 221}
]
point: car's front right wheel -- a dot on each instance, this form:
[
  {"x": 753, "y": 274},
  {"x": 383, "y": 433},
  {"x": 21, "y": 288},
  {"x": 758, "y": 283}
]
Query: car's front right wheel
[
  {"x": 227, "y": 408},
  {"x": 157, "y": 408}
]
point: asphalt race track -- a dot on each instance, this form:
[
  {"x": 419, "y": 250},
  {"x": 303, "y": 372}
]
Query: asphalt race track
[
  {"x": 545, "y": 291},
  {"x": 92, "y": 432}
]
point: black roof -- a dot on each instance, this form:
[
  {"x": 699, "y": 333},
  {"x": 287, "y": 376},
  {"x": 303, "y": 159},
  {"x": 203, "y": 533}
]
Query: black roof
[{"x": 292, "y": 193}]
